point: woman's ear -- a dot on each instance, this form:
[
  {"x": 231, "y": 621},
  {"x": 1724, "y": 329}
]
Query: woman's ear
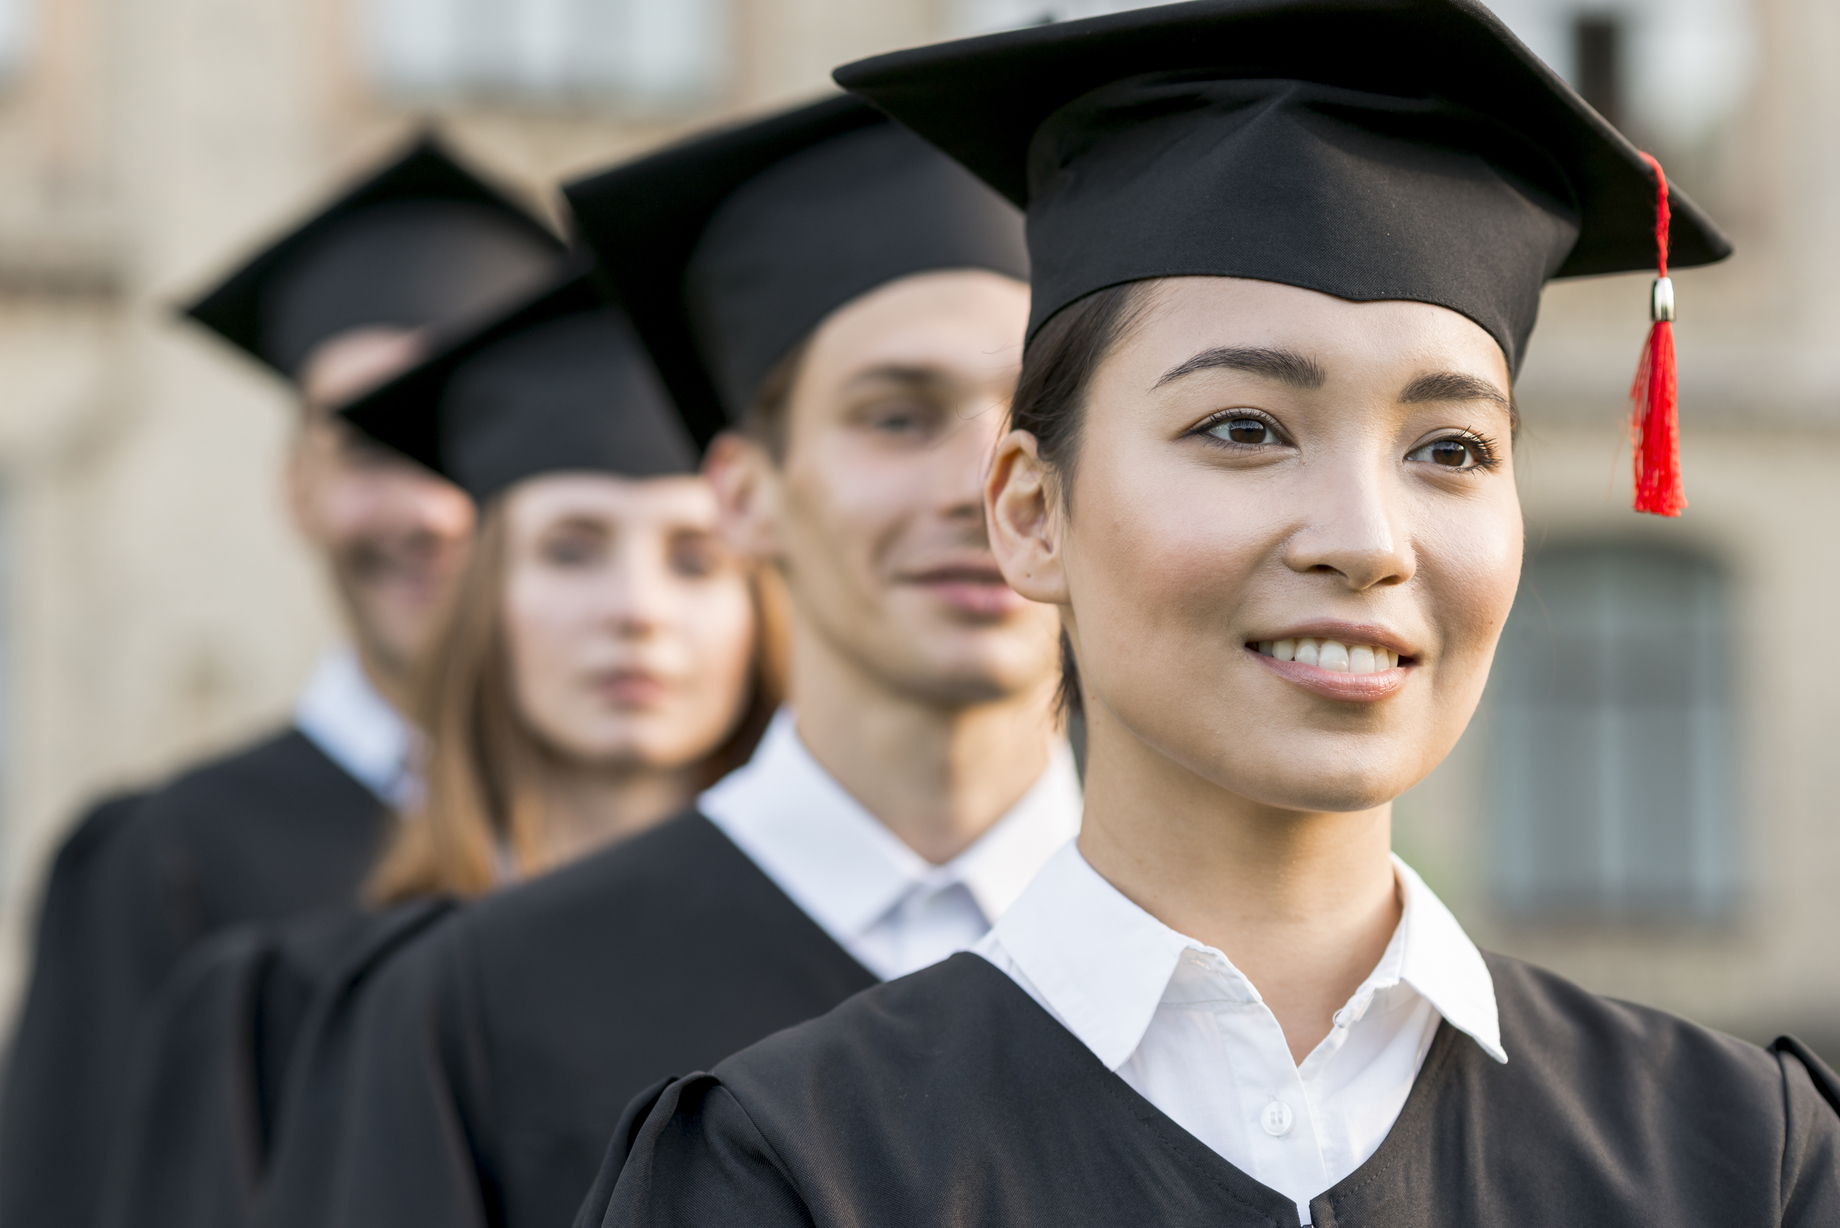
[
  {"x": 1025, "y": 520},
  {"x": 746, "y": 483}
]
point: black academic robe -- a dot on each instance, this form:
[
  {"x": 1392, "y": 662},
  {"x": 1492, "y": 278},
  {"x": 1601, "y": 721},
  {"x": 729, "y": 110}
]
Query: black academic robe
[
  {"x": 951, "y": 1098},
  {"x": 50, "y": 1091},
  {"x": 494, "y": 1057},
  {"x": 267, "y": 832},
  {"x": 212, "y": 1072}
]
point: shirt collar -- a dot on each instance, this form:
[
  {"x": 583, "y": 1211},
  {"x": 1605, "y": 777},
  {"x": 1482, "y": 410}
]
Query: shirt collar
[
  {"x": 1440, "y": 962},
  {"x": 342, "y": 714},
  {"x": 843, "y": 867},
  {"x": 1104, "y": 965}
]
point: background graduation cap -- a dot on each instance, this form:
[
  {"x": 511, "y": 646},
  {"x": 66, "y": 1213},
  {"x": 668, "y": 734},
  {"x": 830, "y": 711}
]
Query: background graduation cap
[
  {"x": 559, "y": 384},
  {"x": 421, "y": 241},
  {"x": 730, "y": 248},
  {"x": 1369, "y": 149}
]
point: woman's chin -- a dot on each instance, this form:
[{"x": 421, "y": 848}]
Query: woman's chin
[{"x": 1276, "y": 775}]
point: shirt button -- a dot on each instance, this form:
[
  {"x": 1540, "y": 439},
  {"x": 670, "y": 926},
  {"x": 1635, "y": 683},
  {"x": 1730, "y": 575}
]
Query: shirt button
[{"x": 1276, "y": 1119}]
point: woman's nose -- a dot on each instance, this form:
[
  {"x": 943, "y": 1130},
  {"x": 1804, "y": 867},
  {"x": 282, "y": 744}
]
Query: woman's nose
[
  {"x": 634, "y": 593},
  {"x": 1355, "y": 530}
]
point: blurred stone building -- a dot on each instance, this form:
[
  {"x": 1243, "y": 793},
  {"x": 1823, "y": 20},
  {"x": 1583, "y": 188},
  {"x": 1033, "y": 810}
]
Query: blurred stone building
[{"x": 1643, "y": 804}]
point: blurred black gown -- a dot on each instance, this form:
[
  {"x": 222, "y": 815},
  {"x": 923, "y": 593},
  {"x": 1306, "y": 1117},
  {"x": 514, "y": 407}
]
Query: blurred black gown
[
  {"x": 478, "y": 1079},
  {"x": 950, "y": 1097},
  {"x": 271, "y": 831},
  {"x": 219, "y": 1052}
]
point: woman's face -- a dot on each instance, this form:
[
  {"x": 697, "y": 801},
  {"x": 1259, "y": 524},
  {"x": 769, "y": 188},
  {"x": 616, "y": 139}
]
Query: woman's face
[
  {"x": 630, "y": 626},
  {"x": 1266, "y": 473}
]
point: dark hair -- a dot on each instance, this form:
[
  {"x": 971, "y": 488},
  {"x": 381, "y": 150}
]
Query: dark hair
[
  {"x": 1057, "y": 369},
  {"x": 1058, "y": 365}
]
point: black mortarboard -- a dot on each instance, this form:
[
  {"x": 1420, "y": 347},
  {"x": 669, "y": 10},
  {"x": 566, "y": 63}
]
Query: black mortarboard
[
  {"x": 423, "y": 240},
  {"x": 560, "y": 384},
  {"x": 1368, "y": 149},
  {"x": 731, "y": 248}
]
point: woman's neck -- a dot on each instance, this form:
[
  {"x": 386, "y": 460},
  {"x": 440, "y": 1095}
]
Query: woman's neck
[
  {"x": 587, "y": 806},
  {"x": 1304, "y": 904}
]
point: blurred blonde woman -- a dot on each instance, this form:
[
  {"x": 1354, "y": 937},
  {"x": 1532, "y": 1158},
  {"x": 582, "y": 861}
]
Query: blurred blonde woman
[
  {"x": 606, "y": 657},
  {"x": 603, "y": 663}
]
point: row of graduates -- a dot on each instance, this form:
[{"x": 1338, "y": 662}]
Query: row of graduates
[
  {"x": 257, "y": 998},
  {"x": 1226, "y": 450}
]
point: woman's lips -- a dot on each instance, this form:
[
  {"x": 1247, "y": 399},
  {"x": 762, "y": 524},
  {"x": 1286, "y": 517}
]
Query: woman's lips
[
  {"x": 631, "y": 688},
  {"x": 1330, "y": 684}
]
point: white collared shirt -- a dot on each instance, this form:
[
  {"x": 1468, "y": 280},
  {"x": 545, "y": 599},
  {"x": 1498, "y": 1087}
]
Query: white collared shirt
[
  {"x": 890, "y": 908},
  {"x": 341, "y": 713},
  {"x": 1178, "y": 1022}
]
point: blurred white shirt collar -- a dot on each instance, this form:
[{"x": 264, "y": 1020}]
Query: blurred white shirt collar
[
  {"x": 881, "y": 901},
  {"x": 341, "y": 713}
]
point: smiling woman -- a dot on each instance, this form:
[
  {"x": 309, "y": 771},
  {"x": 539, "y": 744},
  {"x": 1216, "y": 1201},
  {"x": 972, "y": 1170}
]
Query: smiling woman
[
  {"x": 1262, "y": 465},
  {"x": 1233, "y": 394},
  {"x": 1350, "y": 461}
]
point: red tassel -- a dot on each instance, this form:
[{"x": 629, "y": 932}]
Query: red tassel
[{"x": 1655, "y": 419}]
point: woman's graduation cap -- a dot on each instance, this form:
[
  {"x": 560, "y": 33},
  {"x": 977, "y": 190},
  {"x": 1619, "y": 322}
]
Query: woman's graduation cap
[
  {"x": 559, "y": 384},
  {"x": 729, "y": 249},
  {"x": 1368, "y": 149},
  {"x": 423, "y": 240}
]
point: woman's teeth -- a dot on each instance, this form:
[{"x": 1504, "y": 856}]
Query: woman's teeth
[{"x": 1332, "y": 655}]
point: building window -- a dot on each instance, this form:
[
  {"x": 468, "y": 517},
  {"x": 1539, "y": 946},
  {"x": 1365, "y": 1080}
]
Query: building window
[
  {"x": 1597, "y": 58},
  {"x": 633, "y": 53},
  {"x": 1612, "y": 757},
  {"x": 1670, "y": 71}
]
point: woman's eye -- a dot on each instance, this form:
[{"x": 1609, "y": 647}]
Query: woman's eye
[
  {"x": 1243, "y": 430},
  {"x": 898, "y": 418},
  {"x": 694, "y": 562},
  {"x": 570, "y": 551},
  {"x": 1450, "y": 453}
]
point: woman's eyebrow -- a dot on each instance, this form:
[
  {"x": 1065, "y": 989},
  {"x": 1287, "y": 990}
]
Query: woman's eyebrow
[
  {"x": 1451, "y": 386},
  {"x": 579, "y": 522},
  {"x": 1284, "y": 366},
  {"x": 916, "y": 377}
]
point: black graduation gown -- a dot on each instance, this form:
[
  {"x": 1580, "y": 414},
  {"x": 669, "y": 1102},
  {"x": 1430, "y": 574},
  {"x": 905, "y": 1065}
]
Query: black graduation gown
[
  {"x": 493, "y": 1058},
  {"x": 207, "y": 1089},
  {"x": 267, "y": 832},
  {"x": 951, "y": 1098},
  {"x": 50, "y": 1092}
]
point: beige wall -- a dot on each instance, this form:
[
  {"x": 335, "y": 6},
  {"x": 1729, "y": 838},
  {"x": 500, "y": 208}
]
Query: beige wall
[{"x": 157, "y": 607}]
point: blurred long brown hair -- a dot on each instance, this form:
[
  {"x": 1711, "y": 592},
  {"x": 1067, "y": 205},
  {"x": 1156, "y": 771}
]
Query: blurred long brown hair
[{"x": 482, "y": 802}]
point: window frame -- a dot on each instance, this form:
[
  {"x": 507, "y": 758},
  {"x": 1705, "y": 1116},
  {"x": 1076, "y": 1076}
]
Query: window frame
[{"x": 1617, "y": 881}]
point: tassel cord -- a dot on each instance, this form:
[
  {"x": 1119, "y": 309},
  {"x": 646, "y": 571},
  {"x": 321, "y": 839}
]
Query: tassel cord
[{"x": 1655, "y": 414}]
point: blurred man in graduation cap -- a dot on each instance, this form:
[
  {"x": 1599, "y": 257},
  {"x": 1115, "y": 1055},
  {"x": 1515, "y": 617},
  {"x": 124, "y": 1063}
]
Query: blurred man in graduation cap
[
  {"x": 843, "y": 308},
  {"x": 294, "y": 821},
  {"x": 1287, "y": 259}
]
